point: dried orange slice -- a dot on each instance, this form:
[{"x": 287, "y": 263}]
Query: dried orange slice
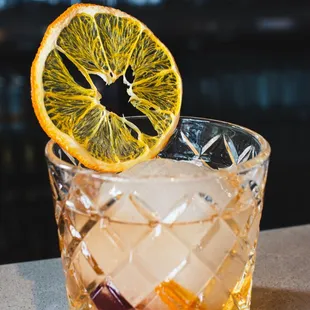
[{"x": 105, "y": 42}]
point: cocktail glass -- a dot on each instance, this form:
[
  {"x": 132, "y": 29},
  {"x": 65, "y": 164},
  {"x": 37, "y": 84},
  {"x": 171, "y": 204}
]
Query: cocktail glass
[{"x": 173, "y": 233}]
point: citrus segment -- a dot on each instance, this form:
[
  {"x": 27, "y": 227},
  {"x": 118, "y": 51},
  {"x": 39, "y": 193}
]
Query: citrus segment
[
  {"x": 119, "y": 36},
  {"x": 161, "y": 89},
  {"x": 58, "y": 81},
  {"x": 88, "y": 125},
  {"x": 160, "y": 119},
  {"x": 106, "y": 42},
  {"x": 150, "y": 57},
  {"x": 65, "y": 112},
  {"x": 119, "y": 144},
  {"x": 80, "y": 42}
]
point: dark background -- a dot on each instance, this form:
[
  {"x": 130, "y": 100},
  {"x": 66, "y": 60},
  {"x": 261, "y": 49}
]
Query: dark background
[{"x": 243, "y": 61}]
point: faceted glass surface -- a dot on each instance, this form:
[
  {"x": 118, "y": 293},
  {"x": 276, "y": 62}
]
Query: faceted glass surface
[{"x": 164, "y": 234}]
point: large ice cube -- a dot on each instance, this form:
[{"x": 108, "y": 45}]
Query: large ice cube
[
  {"x": 169, "y": 191},
  {"x": 162, "y": 167}
]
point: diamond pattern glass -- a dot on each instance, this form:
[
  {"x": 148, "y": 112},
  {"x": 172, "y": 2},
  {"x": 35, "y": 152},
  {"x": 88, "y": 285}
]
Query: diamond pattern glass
[{"x": 164, "y": 243}]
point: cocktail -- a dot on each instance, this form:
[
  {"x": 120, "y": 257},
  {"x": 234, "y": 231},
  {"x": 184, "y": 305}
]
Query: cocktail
[
  {"x": 177, "y": 232},
  {"x": 145, "y": 221}
]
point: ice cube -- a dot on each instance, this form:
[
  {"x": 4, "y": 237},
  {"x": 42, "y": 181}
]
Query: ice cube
[
  {"x": 162, "y": 167},
  {"x": 162, "y": 189}
]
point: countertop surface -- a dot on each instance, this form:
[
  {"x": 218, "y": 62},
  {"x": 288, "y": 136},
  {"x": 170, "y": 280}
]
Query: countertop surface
[{"x": 282, "y": 276}]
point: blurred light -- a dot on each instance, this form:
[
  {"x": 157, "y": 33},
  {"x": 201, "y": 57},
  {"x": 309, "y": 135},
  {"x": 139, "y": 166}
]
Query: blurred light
[
  {"x": 262, "y": 85},
  {"x": 53, "y": 2},
  {"x": 275, "y": 23},
  {"x": 2, "y": 4},
  {"x": 144, "y": 2},
  {"x": 137, "y": 2},
  {"x": 111, "y": 2}
]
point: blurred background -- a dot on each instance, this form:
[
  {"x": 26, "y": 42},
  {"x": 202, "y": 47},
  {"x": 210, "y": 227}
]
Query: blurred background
[{"x": 243, "y": 61}]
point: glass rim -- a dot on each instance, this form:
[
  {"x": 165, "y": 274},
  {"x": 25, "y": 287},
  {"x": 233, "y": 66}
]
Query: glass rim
[{"x": 257, "y": 161}]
